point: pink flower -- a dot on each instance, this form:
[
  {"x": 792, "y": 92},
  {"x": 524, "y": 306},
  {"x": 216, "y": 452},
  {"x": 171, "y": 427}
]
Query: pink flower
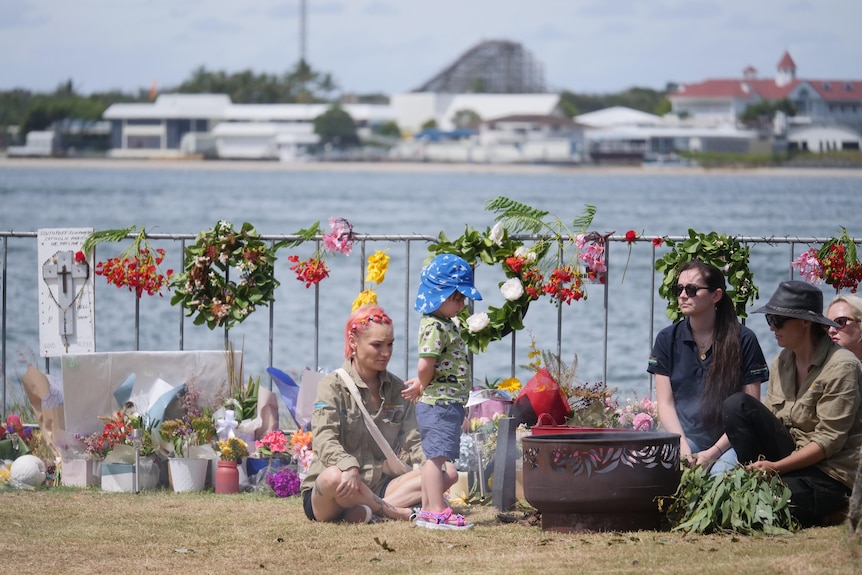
[
  {"x": 643, "y": 422},
  {"x": 274, "y": 441},
  {"x": 340, "y": 237},
  {"x": 809, "y": 267}
]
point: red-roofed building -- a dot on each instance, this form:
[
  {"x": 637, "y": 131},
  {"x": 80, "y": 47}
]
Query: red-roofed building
[{"x": 817, "y": 102}]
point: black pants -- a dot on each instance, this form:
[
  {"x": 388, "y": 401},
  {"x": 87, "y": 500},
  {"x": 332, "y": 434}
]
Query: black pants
[{"x": 755, "y": 432}]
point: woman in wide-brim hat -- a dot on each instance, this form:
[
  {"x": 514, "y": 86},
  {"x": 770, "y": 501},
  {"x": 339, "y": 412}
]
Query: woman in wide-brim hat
[{"x": 809, "y": 428}]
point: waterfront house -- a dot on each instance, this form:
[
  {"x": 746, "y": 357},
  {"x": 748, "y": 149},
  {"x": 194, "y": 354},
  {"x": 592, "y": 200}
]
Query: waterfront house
[{"x": 828, "y": 112}]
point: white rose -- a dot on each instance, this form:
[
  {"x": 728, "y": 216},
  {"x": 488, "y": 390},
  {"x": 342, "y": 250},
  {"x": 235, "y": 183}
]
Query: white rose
[
  {"x": 512, "y": 289},
  {"x": 526, "y": 254},
  {"x": 478, "y": 321},
  {"x": 496, "y": 234}
]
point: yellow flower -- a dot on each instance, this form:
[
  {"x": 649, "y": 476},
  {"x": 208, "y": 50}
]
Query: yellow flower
[
  {"x": 365, "y": 297},
  {"x": 232, "y": 449},
  {"x": 4, "y": 476},
  {"x": 378, "y": 263},
  {"x": 512, "y": 385}
]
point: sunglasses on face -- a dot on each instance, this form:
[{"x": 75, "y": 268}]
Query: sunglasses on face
[
  {"x": 843, "y": 321},
  {"x": 776, "y": 321},
  {"x": 689, "y": 289}
]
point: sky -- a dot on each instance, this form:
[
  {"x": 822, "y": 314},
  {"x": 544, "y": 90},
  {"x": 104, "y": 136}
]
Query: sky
[{"x": 393, "y": 46}]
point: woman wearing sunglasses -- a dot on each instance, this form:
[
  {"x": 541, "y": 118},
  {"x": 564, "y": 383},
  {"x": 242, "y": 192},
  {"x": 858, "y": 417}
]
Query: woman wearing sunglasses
[
  {"x": 809, "y": 428},
  {"x": 702, "y": 360},
  {"x": 846, "y": 311}
]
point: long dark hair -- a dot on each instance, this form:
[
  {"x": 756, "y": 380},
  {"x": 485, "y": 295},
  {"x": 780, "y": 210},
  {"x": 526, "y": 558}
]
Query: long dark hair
[{"x": 725, "y": 371}]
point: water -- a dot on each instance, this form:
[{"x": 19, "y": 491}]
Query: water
[{"x": 184, "y": 199}]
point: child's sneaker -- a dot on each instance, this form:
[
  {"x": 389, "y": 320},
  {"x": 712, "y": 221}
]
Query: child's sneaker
[{"x": 445, "y": 520}]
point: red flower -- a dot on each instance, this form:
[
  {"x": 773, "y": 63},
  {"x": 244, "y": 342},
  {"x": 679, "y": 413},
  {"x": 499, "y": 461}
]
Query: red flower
[
  {"x": 631, "y": 236},
  {"x": 515, "y": 264},
  {"x": 80, "y": 257},
  {"x": 310, "y": 271},
  {"x": 657, "y": 242}
]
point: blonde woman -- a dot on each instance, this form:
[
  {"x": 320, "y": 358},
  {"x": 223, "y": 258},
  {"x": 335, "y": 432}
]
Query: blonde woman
[{"x": 846, "y": 312}]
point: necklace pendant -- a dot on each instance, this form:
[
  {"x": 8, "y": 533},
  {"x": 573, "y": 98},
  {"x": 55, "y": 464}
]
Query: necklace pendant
[{"x": 703, "y": 356}]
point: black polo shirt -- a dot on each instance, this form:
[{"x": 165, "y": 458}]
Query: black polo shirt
[{"x": 675, "y": 355}]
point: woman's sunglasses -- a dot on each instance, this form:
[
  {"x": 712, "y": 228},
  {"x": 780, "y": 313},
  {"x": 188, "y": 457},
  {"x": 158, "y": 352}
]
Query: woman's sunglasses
[
  {"x": 689, "y": 289},
  {"x": 843, "y": 321},
  {"x": 776, "y": 321}
]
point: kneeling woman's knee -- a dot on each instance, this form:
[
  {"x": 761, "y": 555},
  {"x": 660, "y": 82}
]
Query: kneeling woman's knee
[
  {"x": 736, "y": 404},
  {"x": 329, "y": 478}
]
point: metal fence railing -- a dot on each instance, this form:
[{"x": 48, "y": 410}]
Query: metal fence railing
[{"x": 18, "y": 249}]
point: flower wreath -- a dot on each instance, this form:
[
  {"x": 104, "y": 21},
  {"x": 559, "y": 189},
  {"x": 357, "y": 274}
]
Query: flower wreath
[
  {"x": 206, "y": 289},
  {"x": 496, "y": 247},
  {"x": 722, "y": 251}
]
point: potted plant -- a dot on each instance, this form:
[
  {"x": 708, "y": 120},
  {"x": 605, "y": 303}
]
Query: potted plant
[
  {"x": 116, "y": 442},
  {"x": 272, "y": 451},
  {"x": 185, "y": 473},
  {"x": 231, "y": 450}
]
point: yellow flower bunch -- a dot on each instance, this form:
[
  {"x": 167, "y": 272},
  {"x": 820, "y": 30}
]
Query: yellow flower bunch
[
  {"x": 232, "y": 449},
  {"x": 512, "y": 385},
  {"x": 378, "y": 264},
  {"x": 375, "y": 272}
]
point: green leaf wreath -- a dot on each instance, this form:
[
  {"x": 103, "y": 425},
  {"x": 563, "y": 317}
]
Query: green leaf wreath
[
  {"x": 496, "y": 246},
  {"x": 226, "y": 275},
  {"x": 724, "y": 252},
  {"x": 477, "y": 247}
]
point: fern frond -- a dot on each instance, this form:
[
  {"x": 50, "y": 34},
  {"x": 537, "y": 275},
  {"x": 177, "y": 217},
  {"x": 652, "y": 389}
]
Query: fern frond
[
  {"x": 305, "y": 235},
  {"x": 517, "y": 217},
  {"x": 585, "y": 220},
  {"x": 105, "y": 236}
]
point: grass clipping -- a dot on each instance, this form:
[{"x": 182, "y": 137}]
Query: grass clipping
[{"x": 740, "y": 501}]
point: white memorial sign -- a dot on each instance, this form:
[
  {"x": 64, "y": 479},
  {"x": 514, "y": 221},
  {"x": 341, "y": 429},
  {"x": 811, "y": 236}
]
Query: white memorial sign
[{"x": 66, "y": 294}]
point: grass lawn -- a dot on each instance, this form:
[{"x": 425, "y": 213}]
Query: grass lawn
[{"x": 65, "y": 530}]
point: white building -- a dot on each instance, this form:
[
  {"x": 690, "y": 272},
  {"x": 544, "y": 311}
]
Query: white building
[{"x": 177, "y": 123}]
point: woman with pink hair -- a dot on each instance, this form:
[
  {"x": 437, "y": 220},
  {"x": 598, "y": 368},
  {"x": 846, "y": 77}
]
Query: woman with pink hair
[{"x": 349, "y": 479}]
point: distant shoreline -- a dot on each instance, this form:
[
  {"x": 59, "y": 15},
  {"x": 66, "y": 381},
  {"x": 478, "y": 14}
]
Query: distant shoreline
[{"x": 418, "y": 167}]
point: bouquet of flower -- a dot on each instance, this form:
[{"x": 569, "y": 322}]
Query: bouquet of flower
[
  {"x": 339, "y": 239},
  {"x": 136, "y": 268},
  {"x": 117, "y": 431},
  {"x": 20, "y": 440},
  {"x": 273, "y": 444},
  {"x": 300, "y": 445},
  {"x": 285, "y": 482},
  {"x": 835, "y": 263},
  {"x": 506, "y": 389},
  {"x": 232, "y": 449},
  {"x": 640, "y": 415}
]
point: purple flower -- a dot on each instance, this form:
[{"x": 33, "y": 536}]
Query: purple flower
[{"x": 284, "y": 482}]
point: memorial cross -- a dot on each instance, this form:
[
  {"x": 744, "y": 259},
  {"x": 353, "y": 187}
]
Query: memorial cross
[{"x": 63, "y": 268}]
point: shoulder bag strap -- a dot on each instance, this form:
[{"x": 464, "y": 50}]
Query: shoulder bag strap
[{"x": 394, "y": 462}]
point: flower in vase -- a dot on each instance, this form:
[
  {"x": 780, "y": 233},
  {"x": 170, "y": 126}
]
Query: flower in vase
[{"x": 232, "y": 449}]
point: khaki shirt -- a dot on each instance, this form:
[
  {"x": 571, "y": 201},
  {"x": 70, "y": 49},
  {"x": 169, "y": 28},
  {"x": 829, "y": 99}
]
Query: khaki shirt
[
  {"x": 827, "y": 409},
  {"x": 341, "y": 438}
]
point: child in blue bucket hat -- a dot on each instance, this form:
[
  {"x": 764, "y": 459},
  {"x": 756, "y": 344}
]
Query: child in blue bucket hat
[{"x": 442, "y": 384}]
